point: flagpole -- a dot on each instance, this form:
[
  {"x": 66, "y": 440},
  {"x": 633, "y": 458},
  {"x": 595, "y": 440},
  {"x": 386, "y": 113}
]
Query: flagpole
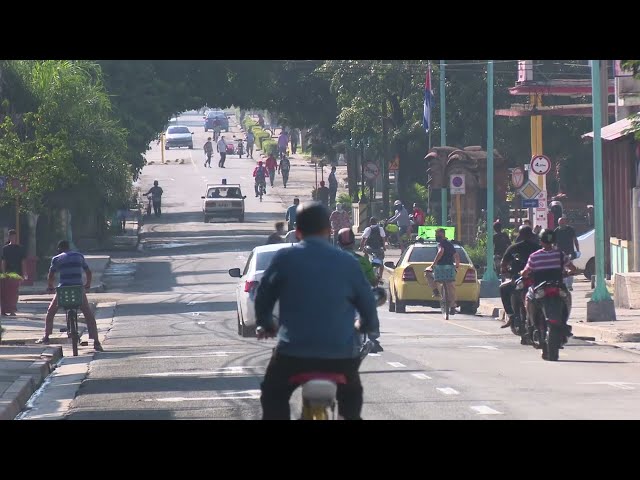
[
  {"x": 430, "y": 129},
  {"x": 443, "y": 141}
]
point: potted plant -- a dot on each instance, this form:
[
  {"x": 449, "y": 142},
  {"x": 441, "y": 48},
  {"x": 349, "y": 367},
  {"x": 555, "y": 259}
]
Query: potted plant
[{"x": 9, "y": 292}]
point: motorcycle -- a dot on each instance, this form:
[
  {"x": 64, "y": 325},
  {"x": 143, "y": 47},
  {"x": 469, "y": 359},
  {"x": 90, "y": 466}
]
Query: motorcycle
[
  {"x": 521, "y": 286},
  {"x": 319, "y": 389},
  {"x": 376, "y": 257},
  {"x": 548, "y": 327}
]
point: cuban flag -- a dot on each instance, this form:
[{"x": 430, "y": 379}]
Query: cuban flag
[{"x": 428, "y": 102}]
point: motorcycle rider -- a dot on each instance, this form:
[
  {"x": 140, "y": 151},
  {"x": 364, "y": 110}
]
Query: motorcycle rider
[
  {"x": 156, "y": 197},
  {"x": 522, "y": 249},
  {"x": 374, "y": 238},
  {"x": 548, "y": 264},
  {"x": 401, "y": 218},
  {"x": 319, "y": 289},
  {"x": 347, "y": 242},
  {"x": 260, "y": 173}
]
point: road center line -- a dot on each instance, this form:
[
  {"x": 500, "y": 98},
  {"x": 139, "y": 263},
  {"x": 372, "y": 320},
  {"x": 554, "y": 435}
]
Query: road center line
[
  {"x": 229, "y": 395},
  {"x": 448, "y": 391},
  {"x": 449, "y": 322},
  {"x": 421, "y": 376},
  {"x": 225, "y": 371},
  {"x": 397, "y": 364},
  {"x": 484, "y": 410},
  {"x": 486, "y": 347}
]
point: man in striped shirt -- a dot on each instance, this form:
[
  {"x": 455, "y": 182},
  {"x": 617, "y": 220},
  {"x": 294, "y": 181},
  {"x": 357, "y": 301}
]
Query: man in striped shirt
[{"x": 69, "y": 265}]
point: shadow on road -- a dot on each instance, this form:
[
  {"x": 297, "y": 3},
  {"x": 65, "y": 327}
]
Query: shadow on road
[{"x": 173, "y": 308}]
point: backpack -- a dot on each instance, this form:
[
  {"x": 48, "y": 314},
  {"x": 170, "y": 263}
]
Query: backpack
[
  {"x": 375, "y": 240},
  {"x": 260, "y": 174}
]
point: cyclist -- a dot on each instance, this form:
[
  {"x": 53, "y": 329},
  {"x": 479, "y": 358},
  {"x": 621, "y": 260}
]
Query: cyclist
[
  {"x": 69, "y": 265},
  {"x": 446, "y": 255},
  {"x": 319, "y": 289},
  {"x": 260, "y": 173},
  {"x": 373, "y": 237}
]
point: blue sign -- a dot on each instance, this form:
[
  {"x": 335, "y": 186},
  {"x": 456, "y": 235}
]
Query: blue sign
[
  {"x": 530, "y": 203},
  {"x": 3, "y": 183}
]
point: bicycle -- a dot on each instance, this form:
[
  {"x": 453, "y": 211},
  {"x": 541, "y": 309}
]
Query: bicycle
[
  {"x": 444, "y": 274},
  {"x": 71, "y": 298},
  {"x": 262, "y": 189}
]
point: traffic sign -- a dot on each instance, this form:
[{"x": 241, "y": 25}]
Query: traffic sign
[
  {"x": 457, "y": 184},
  {"x": 395, "y": 164},
  {"x": 540, "y": 165},
  {"x": 529, "y": 190},
  {"x": 517, "y": 177},
  {"x": 529, "y": 203},
  {"x": 3, "y": 183},
  {"x": 371, "y": 171}
]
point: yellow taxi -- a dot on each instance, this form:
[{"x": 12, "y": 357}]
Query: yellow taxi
[{"x": 408, "y": 286}]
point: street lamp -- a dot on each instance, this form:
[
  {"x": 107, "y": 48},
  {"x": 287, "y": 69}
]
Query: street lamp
[
  {"x": 489, "y": 283},
  {"x": 600, "y": 307}
]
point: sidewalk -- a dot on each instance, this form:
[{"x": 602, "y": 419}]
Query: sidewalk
[
  {"x": 97, "y": 263},
  {"x": 625, "y": 329}
]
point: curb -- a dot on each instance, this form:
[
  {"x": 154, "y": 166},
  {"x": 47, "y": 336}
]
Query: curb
[
  {"x": 15, "y": 398},
  {"x": 95, "y": 289}
]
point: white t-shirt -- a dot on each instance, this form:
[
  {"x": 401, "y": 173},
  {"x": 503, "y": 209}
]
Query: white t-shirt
[{"x": 367, "y": 232}]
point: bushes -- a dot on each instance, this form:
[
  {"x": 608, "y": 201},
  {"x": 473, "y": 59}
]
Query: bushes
[
  {"x": 345, "y": 199},
  {"x": 270, "y": 147}
]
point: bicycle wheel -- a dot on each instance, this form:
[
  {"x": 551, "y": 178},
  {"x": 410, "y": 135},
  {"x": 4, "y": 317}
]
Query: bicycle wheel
[
  {"x": 72, "y": 324},
  {"x": 444, "y": 305}
]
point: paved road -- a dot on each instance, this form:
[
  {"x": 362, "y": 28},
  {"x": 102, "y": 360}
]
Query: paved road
[{"x": 173, "y": 351}]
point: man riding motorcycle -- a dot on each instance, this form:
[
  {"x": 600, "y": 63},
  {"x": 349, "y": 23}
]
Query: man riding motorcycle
[
  {"x": 548, "y": 264},
  {"x": 513, "y": 262},
  {"x": 260, "y": 173},
  {"x": 347, "y": 241},
  {"x": 373, "y": 239},
  {"x": 319, "y": 289}
]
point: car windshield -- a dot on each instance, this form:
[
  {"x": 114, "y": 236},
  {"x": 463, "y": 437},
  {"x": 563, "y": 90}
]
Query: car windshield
[
  {"x": 428, "y": 254},
  {"x": 178, "y": 130},
  {"x": 224, "y": 192}
]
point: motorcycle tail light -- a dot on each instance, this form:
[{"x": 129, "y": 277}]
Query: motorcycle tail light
[
  {"x": 551, "y": 291},
  {"x": 409, "y": 275}
]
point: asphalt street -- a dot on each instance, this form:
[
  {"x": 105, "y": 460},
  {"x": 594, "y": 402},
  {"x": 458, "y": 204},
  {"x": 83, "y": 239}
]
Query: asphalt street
[{"x": 173, "y": 351}]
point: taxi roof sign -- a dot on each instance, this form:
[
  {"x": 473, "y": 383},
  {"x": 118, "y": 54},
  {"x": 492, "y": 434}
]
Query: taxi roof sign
[{"x": 428, "y": 232}]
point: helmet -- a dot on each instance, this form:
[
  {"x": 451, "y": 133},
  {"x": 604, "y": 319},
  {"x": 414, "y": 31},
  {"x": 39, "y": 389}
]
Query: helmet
[
  {"x": 346, "y": 238},
  {"x": 396, "y": 203},
  {"x": 548, "y": 236}
]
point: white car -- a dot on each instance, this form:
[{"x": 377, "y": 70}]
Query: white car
[
  {"x": 178, "y": 136},
  {"x": 587, "y": 260},
  {"x": 223, "y": 200},
  {"x": 258, "y": 261}
]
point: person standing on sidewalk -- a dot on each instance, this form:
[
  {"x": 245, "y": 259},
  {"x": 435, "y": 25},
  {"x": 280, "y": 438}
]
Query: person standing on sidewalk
[
  {"x": 290, "y": 217},
  {"x": 284, "y": 168},
  {"x": 13, "y": 261},
  {"x": 567, "y": 242},
  {"x": 322, "y": 195},
  {"x": 333, "y": 186},
  {"x": 222, "y": 150},
  {"x": 208, "y": 151},
  {"x": 272, "y": 165},
  {"x": 294, "y": 140},
  {"x": 339, "y": 219},
  {"x": 69, "y": 266}
]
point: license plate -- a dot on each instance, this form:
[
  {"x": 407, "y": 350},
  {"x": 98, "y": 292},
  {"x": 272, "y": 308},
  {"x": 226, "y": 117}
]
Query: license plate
[{"x": 222, "y": 205}]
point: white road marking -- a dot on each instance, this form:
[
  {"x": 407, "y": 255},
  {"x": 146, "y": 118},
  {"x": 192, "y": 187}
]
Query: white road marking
[
  {"x": 620, "y": 385},
  {"x": 195, "y": 314},
  {"x": 484, "y": 410},
  {"x": 486, "y": 347},
  {"x": 374, "y": 354},
  {"x": 200, "y": 355},
  {"x": 200, "y": 323},
  {"x": 217, "y": 372},
  {"x": 230, "y": 395},
  {"x": 421, "y": 376},
  {"x": 195, "y": 303},
  {"x": 448, "y": 391},
  {"x": 396, "y": 364}
]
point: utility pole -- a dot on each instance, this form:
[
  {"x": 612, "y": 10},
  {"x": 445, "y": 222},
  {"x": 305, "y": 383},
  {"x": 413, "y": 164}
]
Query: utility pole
[
  {"x": 600, "y": 307},
  {"x": 443, "y": 141},
  {"x": 489, "y": 286},
  {"x": 385, "y": 159}
]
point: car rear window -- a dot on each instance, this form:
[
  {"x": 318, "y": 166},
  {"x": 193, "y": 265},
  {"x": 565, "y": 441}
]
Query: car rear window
[
  {"x": 178, "y": 130},
  {"x": 428, "y": 254},
  {"x": 231, "y": 192}
]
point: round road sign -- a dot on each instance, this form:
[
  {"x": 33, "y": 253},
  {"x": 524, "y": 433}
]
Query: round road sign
[
  {"x": 371, "y": 171},
  {"x": 517, "y": 177},
  {"x": 457, "y": 181},
  {"x": 540, "y": 165}
]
